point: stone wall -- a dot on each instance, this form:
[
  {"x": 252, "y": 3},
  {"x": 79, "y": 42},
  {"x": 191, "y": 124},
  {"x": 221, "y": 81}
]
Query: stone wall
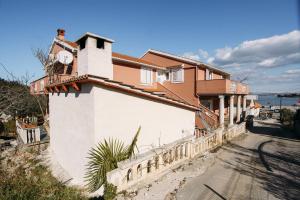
[{"x": 154, "y": 162}]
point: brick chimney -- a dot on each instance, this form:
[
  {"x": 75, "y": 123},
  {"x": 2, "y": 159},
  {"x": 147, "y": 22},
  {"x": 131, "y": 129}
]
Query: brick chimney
[{"x": 61, "y": 34}]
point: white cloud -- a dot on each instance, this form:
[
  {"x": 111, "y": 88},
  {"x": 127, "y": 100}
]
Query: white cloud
[
  {"x": 203, "y": 54},
  {"x": 191, "y": 55},
  {"x": 257, "y": 60},
  {"x": 199, "y": 55},
  {"x": 267, "y": 52},
  {"x": 293, "y": 71}
]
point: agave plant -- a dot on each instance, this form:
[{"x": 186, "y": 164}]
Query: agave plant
[{"x": 104, "y": 158}]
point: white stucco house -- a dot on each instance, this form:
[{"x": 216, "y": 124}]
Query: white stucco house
[
  {"x": 97, "y": 94},
  {"x": 93, "y": 107}
]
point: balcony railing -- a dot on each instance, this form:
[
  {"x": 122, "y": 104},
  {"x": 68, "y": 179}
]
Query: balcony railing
[
  {"x": 57, "y": 78},
  {"x": 221, "y": 86},
  {"x": 37, "y": 87}
]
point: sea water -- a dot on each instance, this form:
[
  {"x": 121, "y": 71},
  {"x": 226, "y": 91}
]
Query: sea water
[{"x": 273, "y": 100}]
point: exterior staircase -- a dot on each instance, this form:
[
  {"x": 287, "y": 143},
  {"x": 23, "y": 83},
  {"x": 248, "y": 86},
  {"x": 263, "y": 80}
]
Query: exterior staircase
[{"x": 208, "y": 118}]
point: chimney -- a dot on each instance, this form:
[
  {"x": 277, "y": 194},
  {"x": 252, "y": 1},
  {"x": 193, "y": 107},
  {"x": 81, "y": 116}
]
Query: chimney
[
  {"x": 61, "y": 34},
  {"x": 95, "y": 55}
]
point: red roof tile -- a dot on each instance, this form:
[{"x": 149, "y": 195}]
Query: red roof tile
[
  {"x": 128, "y": 88},
  {"x": 133, "y": 59}
]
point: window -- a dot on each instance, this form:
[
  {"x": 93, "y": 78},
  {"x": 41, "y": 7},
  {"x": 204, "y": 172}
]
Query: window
[
  {"x": 100, "y": 43},
  {"x": 177, "y": 75},
  {"x": 82, "y": 43},
  {"x": 167, "y": 76},
  {"x": 209, "y": 74},
  {"x": 162, "y": 76},
  {"x": 146, "y": 75}
]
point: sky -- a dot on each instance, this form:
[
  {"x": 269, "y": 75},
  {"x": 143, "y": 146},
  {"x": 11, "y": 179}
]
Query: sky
[{"x": 254, "y": 40}]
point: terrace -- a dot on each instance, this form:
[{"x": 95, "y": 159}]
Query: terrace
[{"x": 221, "y": 86}]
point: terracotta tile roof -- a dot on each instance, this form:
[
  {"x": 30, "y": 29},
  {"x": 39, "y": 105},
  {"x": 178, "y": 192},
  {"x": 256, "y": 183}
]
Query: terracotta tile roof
[
  {"x": 27, "y": 126},
  {"x": 257, "y": 105},
  {"x": 72, "y": 44},
  {"x": 125, "y": 87},
  {"x": 133, "y": 59},
  {"x": 184, "y": 59},
  {"x": 119, "y": 56}
]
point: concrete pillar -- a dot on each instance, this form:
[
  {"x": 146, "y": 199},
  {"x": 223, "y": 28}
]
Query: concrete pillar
[
  {"x": 221, "y": 110},
  {"x": 245, "y": 105},
  {"x": 238, "y": 109},
  {"x": 231, "y": 110}
]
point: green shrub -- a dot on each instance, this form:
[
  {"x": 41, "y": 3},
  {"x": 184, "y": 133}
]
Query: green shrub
[
  {"x": 110, "y": 191},
  {"x": 105, "y": 157},
  {"x": 2, "y": 127},
  {"x": 36, "y": 183},
  {"x": 287, "y": 117},
  {"x": 10, "y": 126}
]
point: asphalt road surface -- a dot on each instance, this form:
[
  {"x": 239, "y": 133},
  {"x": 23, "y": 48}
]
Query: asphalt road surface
[{"x": 261, "y": 164}]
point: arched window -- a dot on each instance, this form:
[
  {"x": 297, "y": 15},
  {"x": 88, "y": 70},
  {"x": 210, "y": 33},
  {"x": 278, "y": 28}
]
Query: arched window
[{"x": 149, "y": 166}]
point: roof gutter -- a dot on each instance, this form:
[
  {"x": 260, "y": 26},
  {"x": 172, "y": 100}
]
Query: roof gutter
[
  {"x": 194, "y": 62},
  {"x": 138, "y": 63}
]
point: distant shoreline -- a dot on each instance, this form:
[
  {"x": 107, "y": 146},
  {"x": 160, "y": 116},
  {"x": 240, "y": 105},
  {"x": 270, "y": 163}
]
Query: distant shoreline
[{"x": 274, "y": 100}]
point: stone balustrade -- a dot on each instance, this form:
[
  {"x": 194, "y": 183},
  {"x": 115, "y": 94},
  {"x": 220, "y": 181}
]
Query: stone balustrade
[{"x": 152, "y": 164}]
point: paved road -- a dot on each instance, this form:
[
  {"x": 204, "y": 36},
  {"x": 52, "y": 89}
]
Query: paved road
[{"x": 264, "y": 164}]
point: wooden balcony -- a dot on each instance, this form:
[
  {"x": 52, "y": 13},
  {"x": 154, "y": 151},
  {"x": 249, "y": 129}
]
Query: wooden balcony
[
  {"x": 37, "y": 86},
  {"x": 221, "y": 86}
]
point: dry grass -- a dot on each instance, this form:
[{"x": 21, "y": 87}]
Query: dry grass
[{"x": 26, "y": 179}]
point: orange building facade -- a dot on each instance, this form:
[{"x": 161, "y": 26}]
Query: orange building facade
[{"x": 174, "y": 77}]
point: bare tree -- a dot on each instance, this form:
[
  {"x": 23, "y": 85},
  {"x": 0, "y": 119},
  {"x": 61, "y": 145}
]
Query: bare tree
[
  {"x": 15, "y": 94},
  {"x": 47, "y": 60},
  {"x": 244, "y": 79}
]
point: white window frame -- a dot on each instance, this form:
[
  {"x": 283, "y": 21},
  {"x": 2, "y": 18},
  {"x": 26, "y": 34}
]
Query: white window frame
[
  {"x": 208, "y": 74},
  {"x": 149, "y": 72},
  {"x": 164, "y": 74},
  {"x": 211, "y": 75},
  {"x": 182, "y": 75}
]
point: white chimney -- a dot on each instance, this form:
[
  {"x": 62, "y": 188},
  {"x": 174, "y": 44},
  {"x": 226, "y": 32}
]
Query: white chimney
[{"x": 95, "y": 56}]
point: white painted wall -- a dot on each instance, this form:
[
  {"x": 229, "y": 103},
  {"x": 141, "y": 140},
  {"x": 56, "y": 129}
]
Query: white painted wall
[
  {"x": 95, "y": 61},
  {"x": 120, "y": 115},
  {"x": 23, "y": 133},
  {"x": 79, "y": 123},
  {"x": 71, "y": 120}
]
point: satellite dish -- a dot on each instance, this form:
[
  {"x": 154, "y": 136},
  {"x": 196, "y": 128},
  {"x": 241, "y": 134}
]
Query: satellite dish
[{"x": 64, "y": 57}]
